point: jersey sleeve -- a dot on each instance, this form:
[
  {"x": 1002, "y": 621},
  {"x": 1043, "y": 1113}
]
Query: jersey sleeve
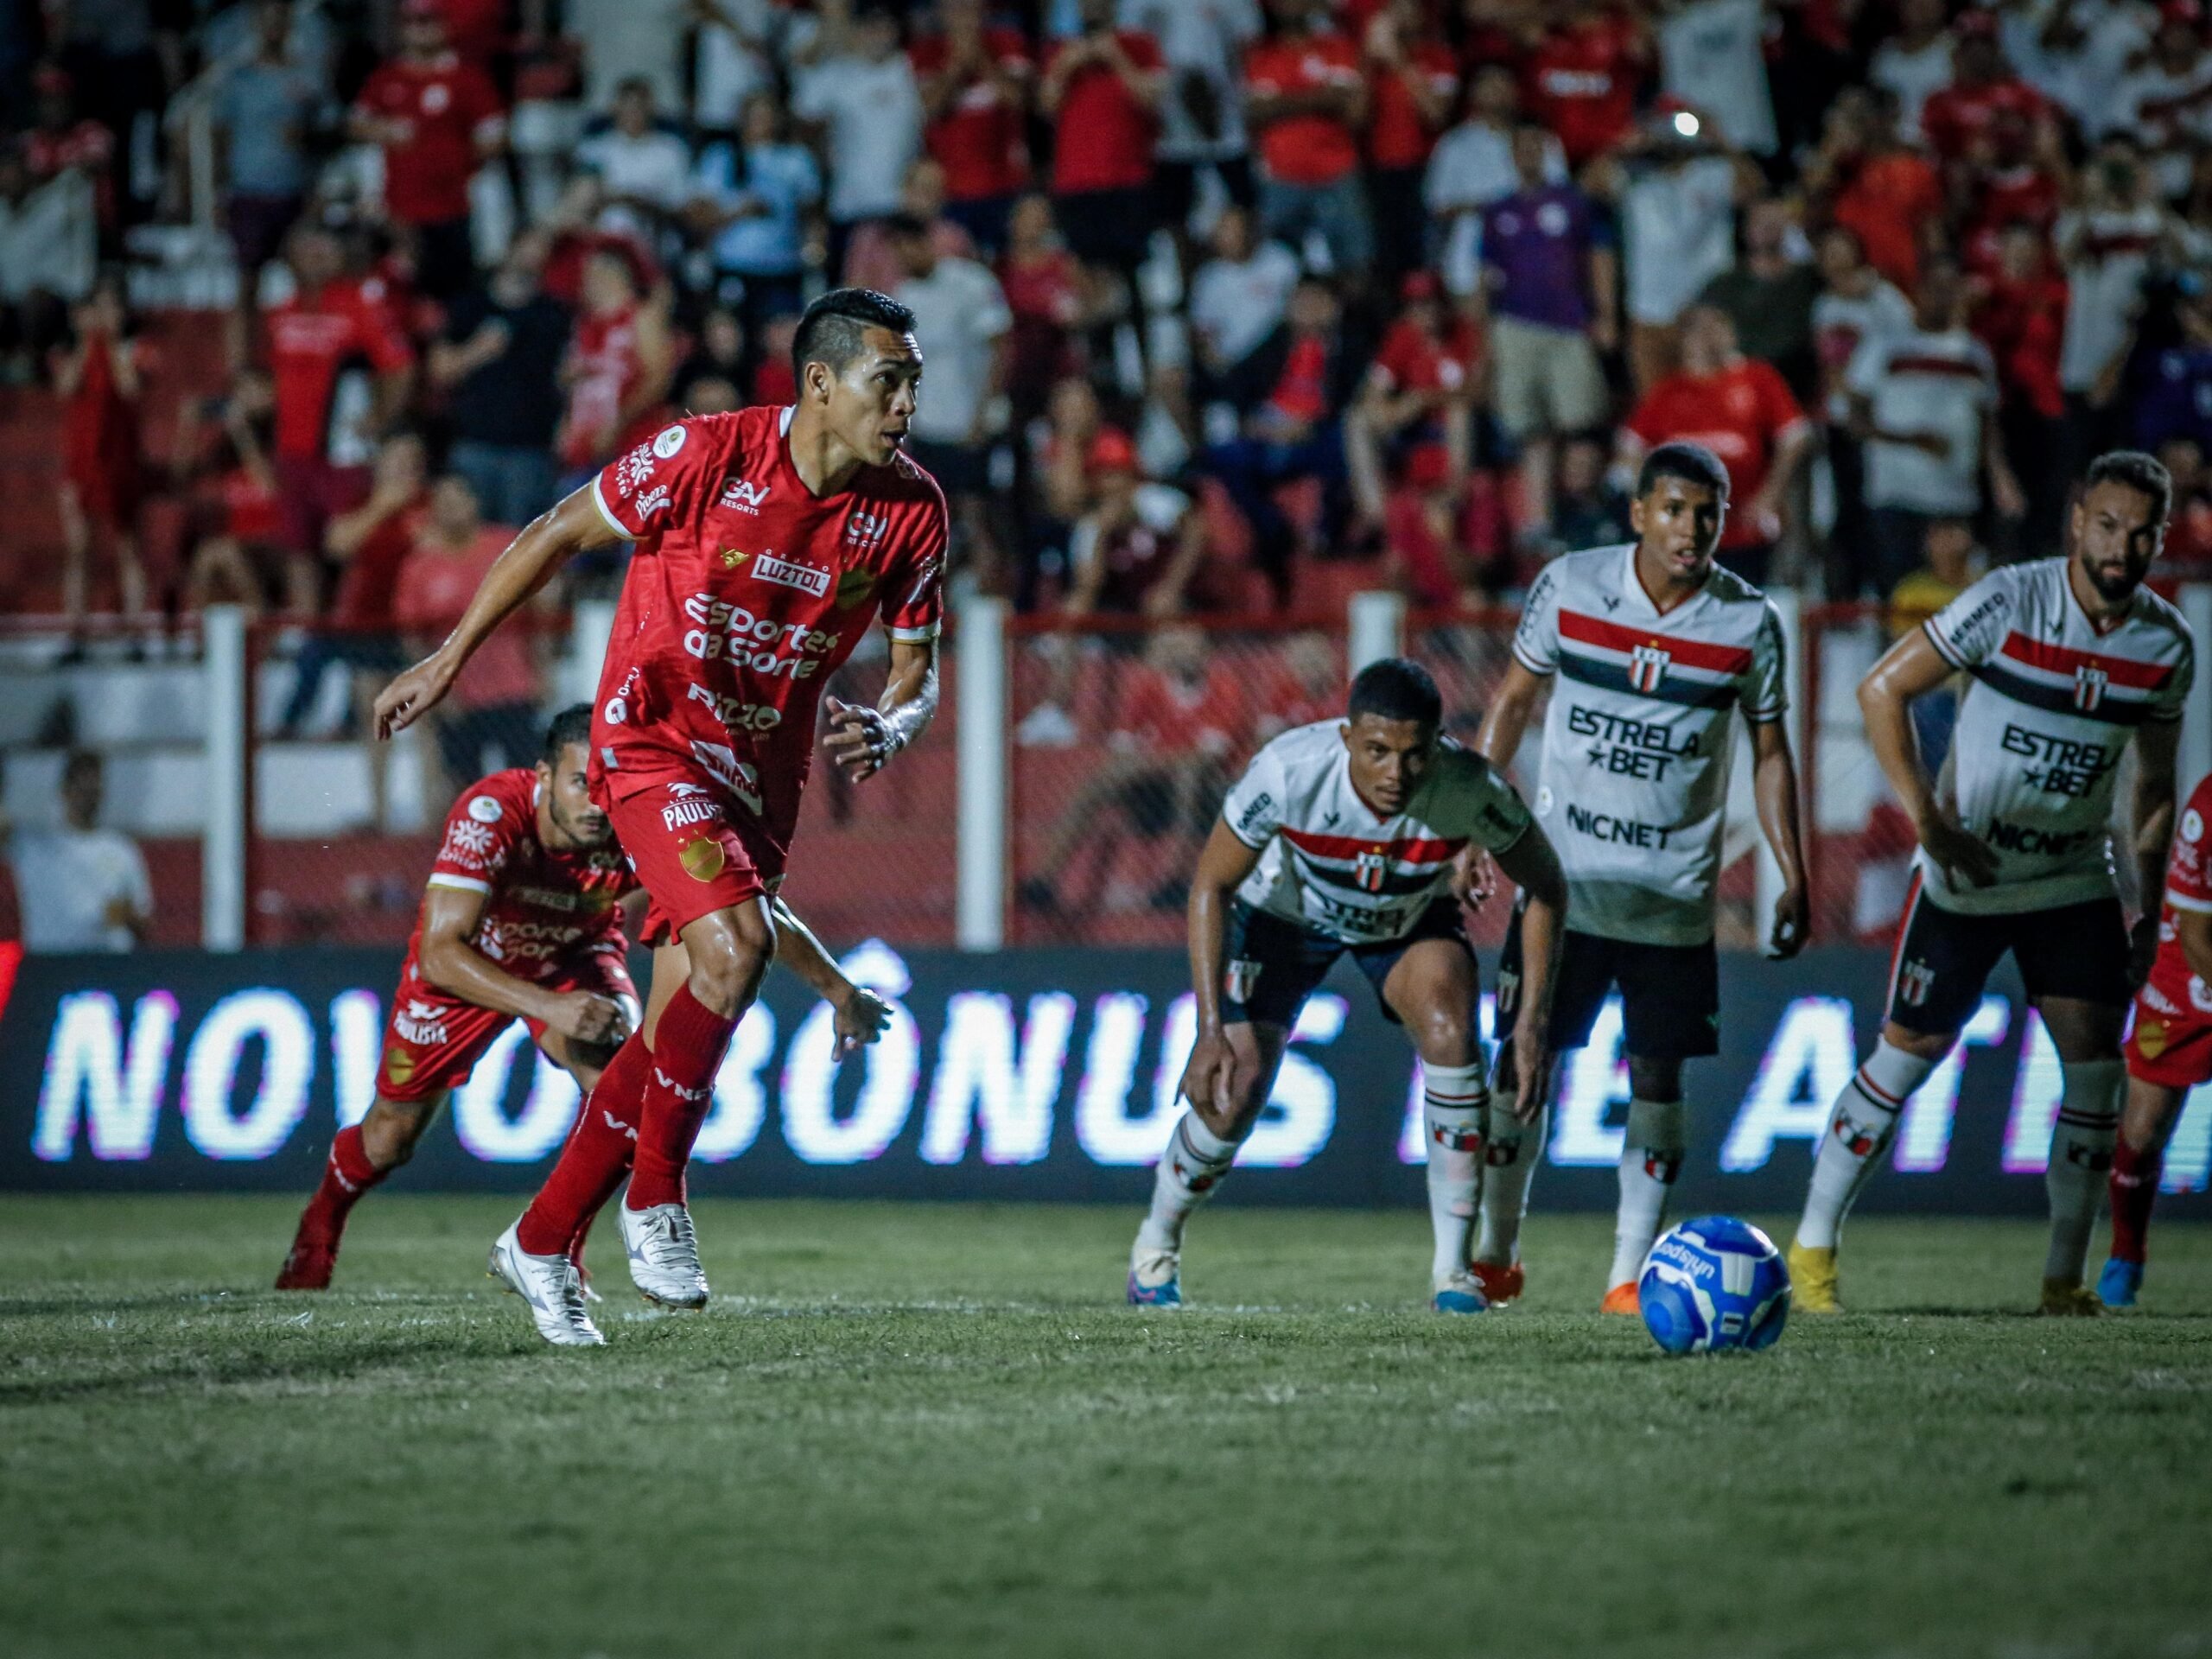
[
  {"x": 641, "y": 491},
  {"x": 1969, "y": 629},
  {"x": 1535, "y": 642},
  {"x": 1764, "y": 690},
  {"x": 2189, "y": 873},
  {"x": 1253, "y": 808},
  {"x": 913, "y": 605},
  {"x": 480, "y": 835},
  {"x": 2172, "y": 697},
  {"x": 1500, "y": 817}
]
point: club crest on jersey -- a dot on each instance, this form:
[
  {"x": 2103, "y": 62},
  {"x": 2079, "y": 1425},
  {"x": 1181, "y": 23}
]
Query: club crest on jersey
[
  {"x": 2089, "y": 683},
  {"x": 743, "y": 495},
  {"x": 2151, "y": 1037},
  {"x": 1369, "y": 870},
  {"x": 1647, "y": 666},
  {"x": 1914, "y": 980},
  {"x": 1241, "y": 979}
]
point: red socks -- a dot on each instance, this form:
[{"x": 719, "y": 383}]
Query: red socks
[
  {"x": 592, "y": 1164},
  {"x": 346, "y": 1176},
  {"x": 688, "y": 1048},
  {"x": 2134, "y": 1189}
]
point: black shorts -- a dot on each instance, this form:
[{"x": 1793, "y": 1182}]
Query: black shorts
[
  {"x": 1270, "y": 966},
  {"x": 1670, "y": 993},
  {"x": 1943, "y": 959}
]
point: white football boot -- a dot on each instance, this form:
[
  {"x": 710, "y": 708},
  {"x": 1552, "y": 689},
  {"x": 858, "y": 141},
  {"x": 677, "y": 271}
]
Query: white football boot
[
  {"x": 664, "y": 1251},
  {"x": 550, "y": 1285}
]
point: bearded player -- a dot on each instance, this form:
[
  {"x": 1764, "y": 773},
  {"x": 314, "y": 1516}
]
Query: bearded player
[
  {"x": 521, "y": 919},
  {"x": 1341, "y": 838},
  {"x": 1651, "y": 651},
  {"x": 767, "y": 541},
  {"x": 2168, "y": 1049},
  {"x": 2071, "y": 659}
]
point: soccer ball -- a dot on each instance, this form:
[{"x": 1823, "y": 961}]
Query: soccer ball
[{"x": 1711, "y": 1283}]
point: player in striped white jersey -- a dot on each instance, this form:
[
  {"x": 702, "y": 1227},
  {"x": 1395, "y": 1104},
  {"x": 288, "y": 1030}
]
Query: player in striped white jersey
[
  {"x": 2071, "y": 659},
  {"x": 1650, "y": 650},
  {"x": 1345, "y": 836}
]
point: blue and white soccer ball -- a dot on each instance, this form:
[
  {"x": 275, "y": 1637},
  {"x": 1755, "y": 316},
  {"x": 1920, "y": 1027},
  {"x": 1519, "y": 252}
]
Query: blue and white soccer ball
[{"x": 1713, "y": 1283}]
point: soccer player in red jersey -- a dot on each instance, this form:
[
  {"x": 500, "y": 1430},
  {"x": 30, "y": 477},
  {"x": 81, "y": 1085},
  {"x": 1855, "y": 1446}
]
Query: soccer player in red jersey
[
  {"x": 767, "y": 539},
  {"x": 522, "y": 919},
  {"x": 2168, "y": 1051}
]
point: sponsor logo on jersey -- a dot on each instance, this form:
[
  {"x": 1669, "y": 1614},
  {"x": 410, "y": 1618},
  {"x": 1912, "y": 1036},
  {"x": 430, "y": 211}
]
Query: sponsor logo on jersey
[
  {"x": 703, "y": 860},
  {"x": 2026, "y": 839},
  {"x": 421, "y": 1023},
  {"x": 1257, "y": 809},
  {"x": 864, "y": 529},
  {"x": 1621, "y": 832},
  {"x": 735, "y": 713},
  {"x": 2153, "y": 997},
  {"x": 744, "y": 495},
  {"x": 2061, "y": 766},
  {"x": 468, "y": 841},
  {"x": 677, "y": 814},
  {"x": 2192, "y": 825},
  {"x": 651, "y": 501},
  {"x": 633, "y": 469},
  {"x": 760, "y": 644},
  {"x": 546, "y": 897},
  {"x": 807, "y": 578},
  {"x": 1915, "y": 980},
  {"x": 723, "y": 766},
  {"x": 2089, "y": 685},
  {"x": 1647, "y": 666},
  {"x": 485, "y": 810},
  {"x": 2200, "y": 994}
]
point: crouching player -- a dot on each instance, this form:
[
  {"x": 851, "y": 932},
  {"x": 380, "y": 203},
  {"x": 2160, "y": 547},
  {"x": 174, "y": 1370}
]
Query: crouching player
[
  {"x": 1343, "y": 836},
  {"x": 2169, "y": 1051},
  {"x": 522, "y": 919}
]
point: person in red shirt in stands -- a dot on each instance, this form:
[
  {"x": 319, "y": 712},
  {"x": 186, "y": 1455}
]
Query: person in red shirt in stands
[
  {"x": 1983, "y": 90},
  {"x": 62, "y": 140},
  {"x": 975, "y": 85},
  {"x": 1419, "y": 394},
  {"x": 2013, "y": 173},
  {"x": 341, "y": 367},
  {"x": 2018, "y": 310},
  {"x": 621, "y": 359},
  {"x": 1052, "y": 304},
  {"x": 437, "y": 117},
  {"x": 1875, "y": 186},
  {"x": 1306, "y": 101},
  {"x": 1413, "y": 78},
  {"x": 489, "y": 717},
  {"x": 1183, "y": 718},
  {"x": 99, "y": 379},
  {"x": 1580, "y": 73},
  {"x": 1741, "y": 410},
  {"x": 1303, "y": 683},
  {"x": 1101, "y": 89}
]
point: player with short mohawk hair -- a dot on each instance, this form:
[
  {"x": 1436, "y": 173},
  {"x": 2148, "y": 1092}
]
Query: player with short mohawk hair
[
  {"x": 1345, "y": 836},
  {"x": 766, "y": 542},
  {"x": 1651, "y": 648}
]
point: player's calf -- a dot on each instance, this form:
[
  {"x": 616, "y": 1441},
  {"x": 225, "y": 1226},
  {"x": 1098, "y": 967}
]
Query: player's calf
[
  {"x": 1651, "y": 1161},
  {"x": 362, "y": 1156},
  {"x": 1188, "y": 1172},
  {"x": 1453, "y": 1105}
]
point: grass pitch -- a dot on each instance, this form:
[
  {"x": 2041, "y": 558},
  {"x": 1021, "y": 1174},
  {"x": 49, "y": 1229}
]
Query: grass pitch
[{"x": 932, "y": 1430}]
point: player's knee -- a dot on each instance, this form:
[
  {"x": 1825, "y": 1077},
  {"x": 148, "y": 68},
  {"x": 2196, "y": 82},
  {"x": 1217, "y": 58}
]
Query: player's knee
[
  {"x": 729, "y": 955},
  {"x": 1921, "y": 1045},
  {"x": 1654, "y": 1079},
  {"x": 390, "y": 1131}
]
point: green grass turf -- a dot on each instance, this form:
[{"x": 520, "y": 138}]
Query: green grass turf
[{"x": 932, "y": 1430}]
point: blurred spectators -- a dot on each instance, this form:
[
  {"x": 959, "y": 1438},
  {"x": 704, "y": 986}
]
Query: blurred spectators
[
  {"x": 1768, "y": 294},
  {"x": 855, "y": 85},
  {"x": 489, "y": 720},
  {"x": 1137, "y": 551},
  {"x": 642, "y": 164},
  {"x": 1202, "y": 133},
  {"x": 1101, "y": 87},
  {"x": 619, "y": 361},
  {"x": 975, "y": 83},
  {"x": 1472, "y": 166},
  {"x": 80, "y": 887},
  {"x": 1307, "y": 97},
  {"x": 498, "y": 366},
  {"x": 1413, "y": 77},
  {"x": 98, "y": 375},
  {"x": 268, "y": 108},
  {"x": 754, "y": 198}
]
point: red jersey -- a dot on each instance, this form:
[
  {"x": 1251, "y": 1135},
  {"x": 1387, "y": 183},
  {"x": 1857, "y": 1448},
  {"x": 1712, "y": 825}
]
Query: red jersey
[
  {"x": 563, "y": 277},
  {"x": 313, "y": 338},
  {"x": 1888, "y": 200},
  {"x": 604, "y": 367},
  {"x": 1305, "y": 148},
  {"x": 746, "y": 593},
  {"x": 2173, "y": 987},
  {"x": 1742, "y": 413},
  {"x": 100, "y": 432},
  {"x": 1165, "y": 715},
  {"x": 443, "y": 107},
  {"x": 429, "y": 594},
  {"x": 1581, "y": 82},
  {"x": 544, "y": 912},
  {"x": 1102, "y": 138},
  {"x": 1954, "y": 116},
  {"x": 2004, "y": 196},
  {"x": 2024, "y": 323},
  {"x": 979, "y": 139},
  {"x": 1396, "y": 135},
  {"x": 1412, "y": 360},
  {"x": 251, "y": 511},
  {"x": 366, "y": 585}
]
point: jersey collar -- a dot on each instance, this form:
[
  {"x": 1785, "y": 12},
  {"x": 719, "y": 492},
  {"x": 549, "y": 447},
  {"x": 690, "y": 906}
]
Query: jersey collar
[{"x": 1638, "y": 603}]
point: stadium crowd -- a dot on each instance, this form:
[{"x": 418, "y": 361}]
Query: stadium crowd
[{"x": 1222, "y": 300}]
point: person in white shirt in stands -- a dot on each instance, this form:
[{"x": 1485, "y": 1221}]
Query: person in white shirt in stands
[
  {"x": 81, "y": 887},
  {"x": 645, "y": 167},
  {"x": 1712, "y": 57},
  {"x": 852, "y": 80},
  {"x": 1915, "y": 61},
  {"x": 2108, "y": 241},
  {"x": 1237, "y": 299}
]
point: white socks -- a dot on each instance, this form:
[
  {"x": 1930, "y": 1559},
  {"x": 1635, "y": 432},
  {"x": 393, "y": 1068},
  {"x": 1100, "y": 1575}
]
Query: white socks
[
  {"x": 1651, "y": 1157},
  {"x": 2080, "y": 1157},
  {"x": 1189, "y": 1169},
  {"x": 1511, "y": 1151},
  {"x": 1452, "y": 1105},
  {"x": 1860, "y": 1130}
]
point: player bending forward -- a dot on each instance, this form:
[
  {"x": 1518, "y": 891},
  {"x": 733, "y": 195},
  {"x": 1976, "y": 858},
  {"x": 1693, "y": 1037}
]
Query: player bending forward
[
  {"x": 766, "y": 540},
  {"x": 2070, "y": 658},
  {"x": 1652, "y": 648},
  {"x": 521, "y": 919},
  {"x": 2168, "y": 1051},
  {"x": 1340, "y": 836}
]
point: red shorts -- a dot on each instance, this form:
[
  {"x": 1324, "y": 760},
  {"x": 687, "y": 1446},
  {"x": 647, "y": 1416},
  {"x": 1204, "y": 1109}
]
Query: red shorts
[
  {"x": 2174, "y": 1049},
  {"x": 433, "y": 1040},
  {"x": 694, "y": 851}
]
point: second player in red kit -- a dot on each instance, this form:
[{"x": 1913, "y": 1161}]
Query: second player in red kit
[{"x": 767, "y": 541}]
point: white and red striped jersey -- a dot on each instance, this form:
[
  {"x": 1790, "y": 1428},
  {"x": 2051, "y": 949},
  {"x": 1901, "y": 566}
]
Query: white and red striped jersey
[
  {"x": 1329, "y": 861},
  {"x": 1935, "y": 384},
  {"x": 2041, "y": 729},
  {"x": 1637, "y": 741}
]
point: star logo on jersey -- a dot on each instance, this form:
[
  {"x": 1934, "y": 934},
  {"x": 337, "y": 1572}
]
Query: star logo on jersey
[
  {"x": 2089, "y": 683},
  {"x": 1647, "y": 666}
]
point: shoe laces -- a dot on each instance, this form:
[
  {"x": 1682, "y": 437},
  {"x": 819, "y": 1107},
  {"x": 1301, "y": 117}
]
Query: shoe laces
[
  {"x": 573, "y": 1311},
  {"x": 672, "y": 1243},
  {"x": 1155, "y": 1267}
]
